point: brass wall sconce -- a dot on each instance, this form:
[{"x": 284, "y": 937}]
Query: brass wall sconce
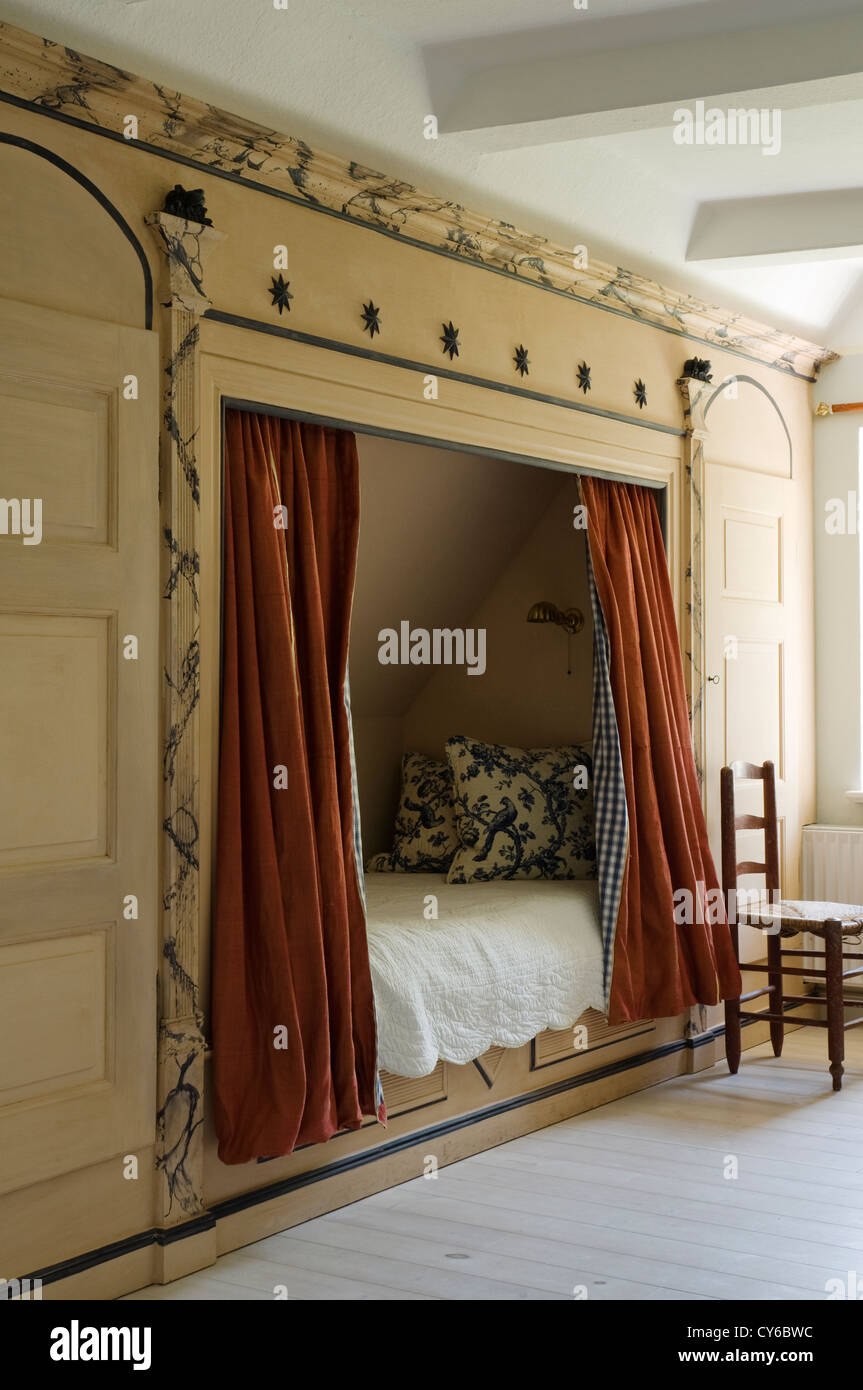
[{"x": 570, "y": 619}]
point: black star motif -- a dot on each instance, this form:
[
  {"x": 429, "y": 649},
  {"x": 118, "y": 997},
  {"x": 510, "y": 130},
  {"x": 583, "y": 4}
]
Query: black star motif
[
  {"x": 450, "y": 339},
  {"x": 640, "y": 394},
  {"x": 371, "y": 318},
  {"x": 521, "y": 360},
  {"x": 281, "y": 294},
  {"x": 584, "y": 377}
]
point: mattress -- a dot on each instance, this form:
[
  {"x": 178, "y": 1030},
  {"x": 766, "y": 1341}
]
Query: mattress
[{"x": 502, "y": 962}]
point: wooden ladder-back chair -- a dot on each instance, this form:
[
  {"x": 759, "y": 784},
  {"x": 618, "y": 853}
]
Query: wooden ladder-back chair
[{"x": 780, "y": 918}]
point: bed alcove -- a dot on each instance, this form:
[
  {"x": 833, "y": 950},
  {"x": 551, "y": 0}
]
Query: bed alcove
[
  {"x": 450, "y": 537},
  {"x": 456, "y": 1110}
]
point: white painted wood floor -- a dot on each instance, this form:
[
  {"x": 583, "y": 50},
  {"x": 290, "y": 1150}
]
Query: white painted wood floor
[{"x": 628, "y": 1201}]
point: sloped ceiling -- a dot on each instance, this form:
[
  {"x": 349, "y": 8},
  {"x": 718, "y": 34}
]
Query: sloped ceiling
[{"x": 436, "y": 528}]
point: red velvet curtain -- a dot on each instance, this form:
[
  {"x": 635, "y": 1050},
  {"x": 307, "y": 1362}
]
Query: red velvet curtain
[
  {"x": 294, "y": 1043},
  {"x": 660, "y": 967}
]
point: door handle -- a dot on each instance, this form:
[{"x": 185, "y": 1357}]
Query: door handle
[{"x": 713, "y": 680}]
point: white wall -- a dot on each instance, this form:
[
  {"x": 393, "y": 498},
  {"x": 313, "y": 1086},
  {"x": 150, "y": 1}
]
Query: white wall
[{"x": 837, "y": 600}]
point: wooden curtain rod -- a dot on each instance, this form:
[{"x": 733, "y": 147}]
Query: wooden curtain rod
[{"x": 822, "y": 408}]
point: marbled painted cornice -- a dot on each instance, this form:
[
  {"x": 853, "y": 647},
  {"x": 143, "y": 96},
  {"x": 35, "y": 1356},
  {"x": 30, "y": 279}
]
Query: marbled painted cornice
[{"x": 62, "y": 81}]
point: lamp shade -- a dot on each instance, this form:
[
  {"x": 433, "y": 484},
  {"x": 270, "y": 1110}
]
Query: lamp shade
[{"x": 544, "y": 613}]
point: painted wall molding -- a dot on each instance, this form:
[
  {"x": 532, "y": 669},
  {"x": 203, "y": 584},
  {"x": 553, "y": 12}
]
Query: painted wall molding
[
  {"x": 62, "y": 82},
  {"x": 181, "y": 1043},
  {"x": 694, "y": 393},
  {"x": 701, "y": 1020}
]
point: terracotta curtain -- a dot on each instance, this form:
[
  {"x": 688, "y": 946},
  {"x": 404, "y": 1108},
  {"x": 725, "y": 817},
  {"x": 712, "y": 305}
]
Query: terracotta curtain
[
  {"x": 294, "y": 1042},
  {"x": 660, "y": 968}
]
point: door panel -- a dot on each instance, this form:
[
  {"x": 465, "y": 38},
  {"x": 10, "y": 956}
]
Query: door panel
[
  {"x": 78, "y": 759},
  {"x": 754, "y": 608}
]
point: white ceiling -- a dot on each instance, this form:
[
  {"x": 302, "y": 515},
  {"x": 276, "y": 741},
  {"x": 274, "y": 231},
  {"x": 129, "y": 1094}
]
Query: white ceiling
[{"x": 358, "y": 79}]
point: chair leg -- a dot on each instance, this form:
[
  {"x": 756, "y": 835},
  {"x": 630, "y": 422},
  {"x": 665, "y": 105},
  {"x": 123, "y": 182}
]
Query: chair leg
[
  {"x": 774, "y": 978},
  {"x": 732, "y": 1034},
  {"x": 835, "y": 1011}
]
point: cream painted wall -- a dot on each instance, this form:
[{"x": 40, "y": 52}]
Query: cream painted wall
[{"x": 837, "y": 602}]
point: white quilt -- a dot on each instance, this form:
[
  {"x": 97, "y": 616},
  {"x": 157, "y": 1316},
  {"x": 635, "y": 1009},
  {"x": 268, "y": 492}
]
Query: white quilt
[{"x": 503, "y": 961}]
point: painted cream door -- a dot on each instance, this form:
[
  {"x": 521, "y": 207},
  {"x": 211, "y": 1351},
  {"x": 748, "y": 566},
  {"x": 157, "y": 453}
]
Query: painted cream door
[
  {"x": 756, "y": 643},
  {"x": 78, "y": 768}
]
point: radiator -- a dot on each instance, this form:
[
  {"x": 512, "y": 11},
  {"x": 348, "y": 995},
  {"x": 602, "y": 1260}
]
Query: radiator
[
  {"x": 832, "y": 872},
  {"x": 833, "y": 863}
]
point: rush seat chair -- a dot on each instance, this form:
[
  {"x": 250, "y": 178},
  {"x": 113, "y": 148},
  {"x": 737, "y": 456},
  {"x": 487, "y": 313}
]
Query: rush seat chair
[{"x": 781, "y": 918}]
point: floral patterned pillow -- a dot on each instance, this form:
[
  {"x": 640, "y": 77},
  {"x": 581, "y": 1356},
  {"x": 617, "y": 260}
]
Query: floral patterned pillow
[
  {"x": 425, "y": 837},
  {"x": 522, "y": 812}
]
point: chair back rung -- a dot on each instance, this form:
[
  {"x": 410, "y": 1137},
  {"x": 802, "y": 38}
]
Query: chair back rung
[
  {"x": 749, "y": 822},
  {"x": 749, "y": 866},
  {"x": 747, "y": 772}
]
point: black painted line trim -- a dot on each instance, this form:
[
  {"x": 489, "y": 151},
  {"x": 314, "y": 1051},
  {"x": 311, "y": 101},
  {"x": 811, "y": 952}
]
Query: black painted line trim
[
  {"x": 456, "y": 445},
  {"x": 105, "y": 203},
  {"x": 489, "y": 1081},
  {"x": 171, "y": 1234},
  {"x": 294, "y": 335},
  {"x": 78, "y": 1264},
  {"x": 406, "y": 239}
]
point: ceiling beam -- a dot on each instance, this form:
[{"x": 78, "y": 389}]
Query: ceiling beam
[
  {"x": 576, "y": 82},
  {"x": 795, "y": 227}
]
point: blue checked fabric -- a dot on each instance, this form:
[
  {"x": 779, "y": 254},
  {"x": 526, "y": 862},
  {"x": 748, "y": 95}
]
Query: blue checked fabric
[
  {"x": 358, "y": 842},
  {"x": 609, "y": 791},
  {"x": 355, "y": 793}
]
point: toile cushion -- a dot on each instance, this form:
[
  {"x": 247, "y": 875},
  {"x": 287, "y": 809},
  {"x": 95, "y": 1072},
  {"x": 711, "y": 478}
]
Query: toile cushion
[
  {"x": 521, "y": 812},
  {"x": 424, "y": 837}
]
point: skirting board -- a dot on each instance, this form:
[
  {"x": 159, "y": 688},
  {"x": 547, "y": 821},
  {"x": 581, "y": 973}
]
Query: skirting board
[{"x": 157, "y": 1256}]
